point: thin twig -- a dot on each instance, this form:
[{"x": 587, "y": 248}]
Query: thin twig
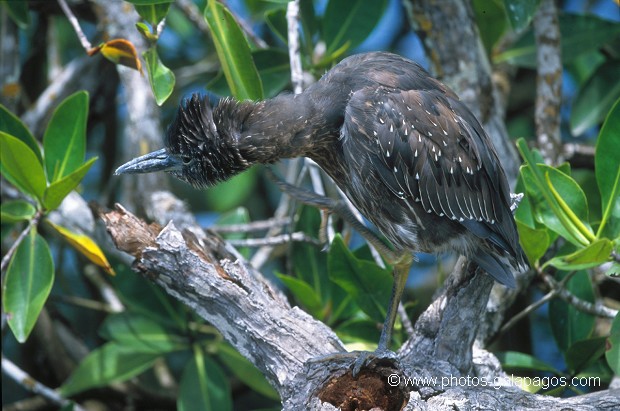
[
  {"x": 192, "y": 12},
  {"x": 557, "y": 289},
  {"x": 7, "y": 257},
  {"x": 252, "y": 226},
  {"x": 530, "y": 308},
  {"x": 27, "y": 382},
  {"x": 582, "y": 305},
  {"x": 107, "y": 292},
  {"x": 292, "y": 21},
  {"x": 76, "y": 25},
  {"x": 274, "y": 240}
]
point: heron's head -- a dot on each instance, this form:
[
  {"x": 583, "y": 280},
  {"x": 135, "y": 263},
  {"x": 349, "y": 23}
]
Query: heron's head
[{"x": 196, "y": 151}]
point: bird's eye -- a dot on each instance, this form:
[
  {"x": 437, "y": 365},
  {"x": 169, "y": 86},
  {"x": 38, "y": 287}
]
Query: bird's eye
[{"x": 187, "y": 160}]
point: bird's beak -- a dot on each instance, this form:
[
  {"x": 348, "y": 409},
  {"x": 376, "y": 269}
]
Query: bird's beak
[{"x": 160, "y": 160}]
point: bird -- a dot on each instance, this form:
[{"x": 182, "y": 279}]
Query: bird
[{"x": 407, "y": 153}]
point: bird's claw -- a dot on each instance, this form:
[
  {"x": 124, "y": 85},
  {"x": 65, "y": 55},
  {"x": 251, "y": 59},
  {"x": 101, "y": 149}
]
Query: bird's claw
[{"x": 366, "y": 358}]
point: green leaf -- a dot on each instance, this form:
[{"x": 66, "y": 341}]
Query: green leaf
[
  {"x": 161, "y": 77},
  {"x": 514, "y": 360},
  {"x": 107, "y": 364},
  {"x": 612, "y": 346},
  {"x": 568, "y": 324},
  {"x": 17, "y": 210},
  {"x": 356, "y": 330},
  {"x": 368, "y": 284},
  {"x": 11, "y": 124},
  {"x": 21, "y": 167},
  {"x": 18, "y": 11},
  {"x": 274, "y": 70},
  {"x": 233, "y": 52},
  {"x": 58, "y": 190},
  {"x": 140, "y": 334},
  {"x": 64, "y": 142},
  {"x": 520, "y": 12},
  {"x": 491, "y": 21},
  {"x": 29, "y": 279},
  {"x": 584, "y": 353},
  {"x": 245, "y": 371},
  {"x": 276, "y": 20},
  {"x": 558, "y": 201},
  {"x": 203, "y": 386},
  {"x": 232, "y": 193},
  {"x": 607, "y": 169},
  {"x": 153, "y": 13},
  {"x": 305, "y": 294},
  {"x": 349, "y": 22},
  {"x": 580, "y": 33},
  {"x": 596, "y": 97},
  {"x": 534, "y": 241},
  {"x": 593, "y": 255}
]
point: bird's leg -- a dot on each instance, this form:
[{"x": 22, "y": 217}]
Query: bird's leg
[
  {"x": 401, "y": 263},
  {"x": 401, "y": 268}
]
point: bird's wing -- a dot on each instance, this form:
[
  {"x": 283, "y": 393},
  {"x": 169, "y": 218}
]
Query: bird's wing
[{"x": 428, "y": 148}]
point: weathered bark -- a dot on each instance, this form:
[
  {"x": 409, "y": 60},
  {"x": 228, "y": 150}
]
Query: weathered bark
[{"x": 303, "y": 359}]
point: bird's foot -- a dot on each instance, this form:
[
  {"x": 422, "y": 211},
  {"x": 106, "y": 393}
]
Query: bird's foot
[
  {"x": 360, "y": 359},
  {"x": 367, "y": 358}
]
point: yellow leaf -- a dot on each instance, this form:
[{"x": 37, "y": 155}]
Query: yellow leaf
[
  {"x": 86, "y": 246},
  {"x": 121, "y": 51}
]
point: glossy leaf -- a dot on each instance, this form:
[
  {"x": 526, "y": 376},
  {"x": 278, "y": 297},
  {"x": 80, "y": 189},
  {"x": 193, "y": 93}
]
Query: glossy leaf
[
  {"x": 146, "y": 32},
  {"x": 276, "y": 20},
  {"x": 28, "y": 282},
  {"x": 58, "y": 190},
  {"x": 368, "y": 284},
  {"x": 558, "y": 201},
  {"x": 231, "y": 193},
  {"x": 593, "y": 255},
  {"x": 141, "y": 334},
  {"x": 203, "y": 386},
  {"x": 491, "y": 21},
  {"x": 64, "y": 142},
  {"x": 85, "y": 246},
  {"x": 358, "y": 330},
  {"x": 596, "y": 97},
  {"x": 568, "y": 324},
  {"x": 161, "y": 77},
  {"x": 584, "y": 353},
  {"x": 107, "y": 364},
  {"x": 607, "y": 169},
  {"x": 612, "y": 346},
  {"x": 514, "y": 360},
  {"x": 304, "y": 293},
  {"x": 580, "y": 33},
  {"x": 121, "y": 51},
  {"x": 153, "y": 13},
  {"x": 534, "y": 241},
  {"x": 274, "y": 70},
  {"x": 21, "y": 167},
  {"x": 245, "y": 371},
  {"x": 18, "y": 11},
  {"x": 233, "y": 52},
  {"x": 11, "y": 124},
  {"x": 349, "y": 22},
  {"x": 520, "y": 12},
  {"x": 17, "y": 210}
]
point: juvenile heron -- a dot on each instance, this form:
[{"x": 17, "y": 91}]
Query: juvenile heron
[{"x": 408, "y": 154}]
